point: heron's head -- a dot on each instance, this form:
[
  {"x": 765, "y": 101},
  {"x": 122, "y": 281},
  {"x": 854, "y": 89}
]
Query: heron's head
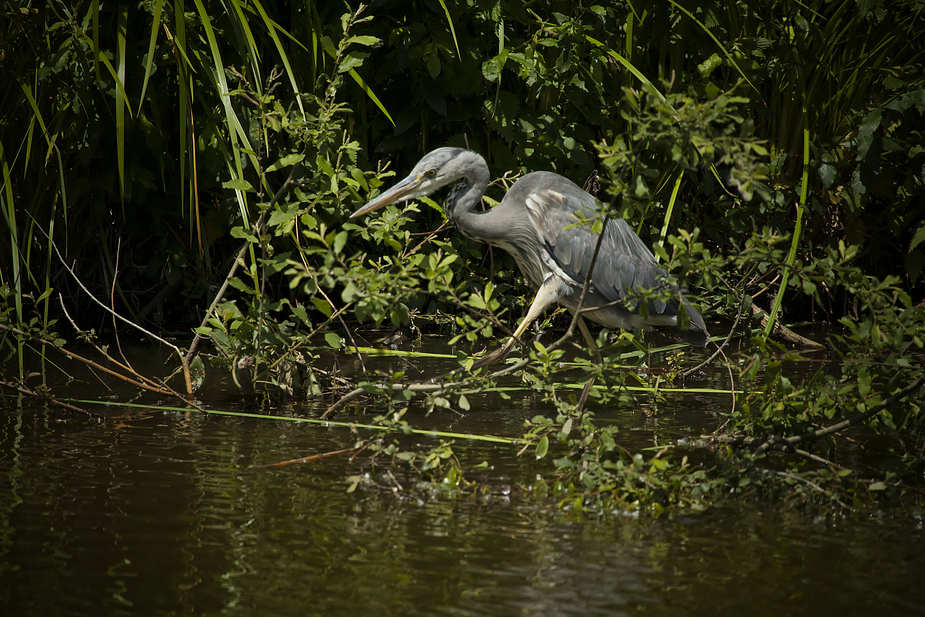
[{"x": 437, "y": 169}]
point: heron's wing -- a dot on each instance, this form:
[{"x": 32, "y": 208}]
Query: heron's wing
[{"x": 623, "y": 262}]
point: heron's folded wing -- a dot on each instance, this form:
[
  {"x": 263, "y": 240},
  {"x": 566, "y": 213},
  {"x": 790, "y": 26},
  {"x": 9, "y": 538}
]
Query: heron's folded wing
[{"x": 562, "y": 217}]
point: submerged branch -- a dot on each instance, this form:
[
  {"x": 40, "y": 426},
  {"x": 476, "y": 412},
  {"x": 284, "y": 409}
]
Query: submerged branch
[
  {"x": 50, "y": 399},
  {"x": 853, "y": 421},
  {"x": 783, "y": 331},
  {"x": 306, "y": 459},
  {"x": 141, "y": 382},
  {"x": 788, "y": 443}
]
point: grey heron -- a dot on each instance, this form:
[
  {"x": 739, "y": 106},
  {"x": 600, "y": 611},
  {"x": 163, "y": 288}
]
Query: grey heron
[{"x": 541, "y": 222}]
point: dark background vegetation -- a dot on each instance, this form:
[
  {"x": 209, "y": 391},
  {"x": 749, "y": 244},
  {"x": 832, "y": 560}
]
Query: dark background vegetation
[{"x": 134, "y": 178}]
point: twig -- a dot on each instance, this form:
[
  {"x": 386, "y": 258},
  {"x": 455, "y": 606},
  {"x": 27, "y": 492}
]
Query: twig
[
  {"x": 816, "y": 458},
  {"x": 812, "y": 484},
  {"x": 50, "y": 399},
  {"x": 353, "y": 394},
  {"x": 141, "y": 382},
  {"x": 112, "y": 304},
  {"x": 305, "y": 459},
  {"x": 719, "y": 348},
  {"x": 783, "y": 331},
  {"x": 584, "y": 288},
  {"x": 862, "y": 417},
  {"x": 183, "y": 360}
]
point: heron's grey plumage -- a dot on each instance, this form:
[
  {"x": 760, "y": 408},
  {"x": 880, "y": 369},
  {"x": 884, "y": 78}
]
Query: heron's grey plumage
[{"x": 540, "y": 223}]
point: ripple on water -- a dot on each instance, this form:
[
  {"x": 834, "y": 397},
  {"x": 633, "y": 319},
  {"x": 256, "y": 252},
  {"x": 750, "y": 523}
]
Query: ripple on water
[{"x": 163, "y": 513}]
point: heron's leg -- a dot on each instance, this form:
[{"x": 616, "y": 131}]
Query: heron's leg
[
  {"x": 593, "y": 347},
  {"x": 549, "y": 293}
]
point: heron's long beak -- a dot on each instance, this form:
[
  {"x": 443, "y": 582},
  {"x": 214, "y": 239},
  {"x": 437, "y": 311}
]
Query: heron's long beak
[{"x": 401, "y": 191}]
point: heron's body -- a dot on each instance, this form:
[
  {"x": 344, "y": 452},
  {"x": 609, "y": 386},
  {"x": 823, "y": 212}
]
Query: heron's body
[{"x": 541, "y": 222}]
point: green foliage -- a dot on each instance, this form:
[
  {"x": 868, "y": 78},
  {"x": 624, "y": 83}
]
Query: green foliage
[{"x": 434, "y": 470}]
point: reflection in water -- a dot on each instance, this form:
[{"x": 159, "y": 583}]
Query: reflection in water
[{"x": 160, "y": 514}]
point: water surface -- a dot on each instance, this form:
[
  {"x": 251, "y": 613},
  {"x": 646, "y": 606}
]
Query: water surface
[{"x": 163, "y": 513}]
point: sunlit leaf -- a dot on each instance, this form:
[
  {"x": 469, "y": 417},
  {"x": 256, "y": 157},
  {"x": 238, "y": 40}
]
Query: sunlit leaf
[
  {"x": 542, "y": 447},
  {"x": 334, "y": 340}
]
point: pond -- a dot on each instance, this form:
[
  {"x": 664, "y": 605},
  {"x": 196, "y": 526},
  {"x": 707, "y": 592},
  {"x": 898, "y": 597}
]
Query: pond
[{"x": 163, "y": 512}]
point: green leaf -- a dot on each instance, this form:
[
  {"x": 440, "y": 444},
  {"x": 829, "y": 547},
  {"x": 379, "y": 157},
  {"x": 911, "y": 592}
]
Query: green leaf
[
  {"x": 367, "y": 41},
  {"x": 340, "y": 240},
  {"x": 243, "y": 234},
  {"x": 238, "y": 184},
  {"x": 877, "y": 486},
  {"x": 542, "y": 447},
  {"x": 491, "y": 69},
  {"x": 324, "y": 165},
  {"x": 286, "y": 161},
  {"x": 864, "y": 382},
  {"x": 433, "y": 64},
  {"x": 349, "y": 292},
  {"x": 866, "y": 132},
  {"x": 917, "y": 238},
  {"x": 334, "y": 340},
  {"x": 351, "y": 61},
  {"x": 240, "y": 286},
  {"x": 283, "y": 214},
  {"x": 827, "y": 170},
  {"x": 475, "y": 301},
  {"x": 302, "y": 314},
  {"x": 567, "y": 427},
  {"x": 323, "y": 305}
]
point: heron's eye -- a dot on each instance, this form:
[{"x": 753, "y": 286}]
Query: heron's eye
[{"x": 430, "y": 173}]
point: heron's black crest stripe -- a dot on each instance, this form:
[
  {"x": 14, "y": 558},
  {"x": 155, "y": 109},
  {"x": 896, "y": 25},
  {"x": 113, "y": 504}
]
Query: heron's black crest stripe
[
  {"x": 577, "y": 276},
  {"x": 458, "y": 189}
]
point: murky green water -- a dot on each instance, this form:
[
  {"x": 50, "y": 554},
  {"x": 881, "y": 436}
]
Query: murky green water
[{"x": 160, "y": 513}]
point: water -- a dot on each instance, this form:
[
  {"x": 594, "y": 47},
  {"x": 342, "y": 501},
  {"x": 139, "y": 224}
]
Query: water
[{"x": 162, "y": 513}]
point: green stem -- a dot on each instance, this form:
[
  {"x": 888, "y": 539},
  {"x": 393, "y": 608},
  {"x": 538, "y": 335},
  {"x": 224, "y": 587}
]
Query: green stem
[
  {"x": 351, "y": 425},
  {"x": 797, "y": 231},
  {"x": 668, "y": 212}
]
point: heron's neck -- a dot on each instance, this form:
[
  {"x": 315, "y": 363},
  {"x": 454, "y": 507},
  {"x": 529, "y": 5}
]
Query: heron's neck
[{"x": 467, "y": 192}]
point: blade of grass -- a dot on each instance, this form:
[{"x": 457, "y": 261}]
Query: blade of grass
[
  {"x": 324, "y": 423},
  {"x": 112, "y": 72},
  {"x": 152, "y": 43},
  {"x": 449, "y": 20},
  {"x": 121, "y": 32},
  {"x": 236, "y": 133},
  {"x": 9, "y": 213},
  {"x": 722, "y": 47},
  {"x": 797, "y": 231},
  {"x": 670, "y": 209},
  {"x": 241, "y": 25},
  {"x": 272, "y": 29},
  {"x": 648, "y": 86},
  {"x": 372, "y": 95}
]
